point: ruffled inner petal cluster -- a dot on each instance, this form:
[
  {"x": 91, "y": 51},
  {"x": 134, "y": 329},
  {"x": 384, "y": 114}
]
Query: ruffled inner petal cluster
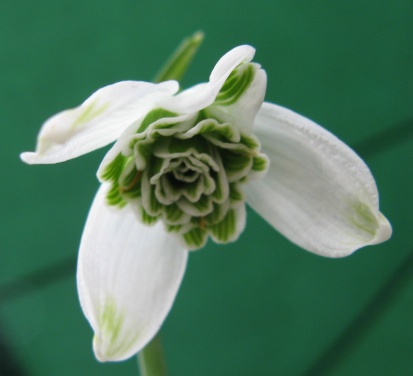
[{"x": 186, "y": 171}]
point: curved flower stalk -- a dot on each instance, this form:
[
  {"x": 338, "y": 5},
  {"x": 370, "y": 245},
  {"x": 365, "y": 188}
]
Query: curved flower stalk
[{"x": 182, "y": 168}]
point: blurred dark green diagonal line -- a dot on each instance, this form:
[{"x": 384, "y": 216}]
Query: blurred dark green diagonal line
[
  {"x": 336, "y": 353},
  {"x": 385, "y": 140},
  {"x": 38, "y": 279},
  {"x": 8, "y": 364}
]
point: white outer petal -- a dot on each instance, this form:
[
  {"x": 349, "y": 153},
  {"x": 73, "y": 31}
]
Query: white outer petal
[
  {"x": 316, "y": 188},
  {"x": 128, "y": 276},
  {"x": 201, "y": 96},
  {"x": 97, "y": 122}
]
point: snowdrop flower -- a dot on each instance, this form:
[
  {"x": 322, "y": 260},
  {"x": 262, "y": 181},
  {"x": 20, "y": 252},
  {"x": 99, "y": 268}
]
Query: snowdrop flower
[{"x": 183, "y": 166}]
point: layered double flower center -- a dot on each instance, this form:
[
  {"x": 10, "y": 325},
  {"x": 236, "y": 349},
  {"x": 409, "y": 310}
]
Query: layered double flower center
[
  {"x": 184, "y": 177},
  {"x": 186, "y": 171}
]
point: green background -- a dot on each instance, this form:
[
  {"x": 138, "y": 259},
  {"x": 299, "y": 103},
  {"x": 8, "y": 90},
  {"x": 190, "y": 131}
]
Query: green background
[{"x": 261, "y": 306}]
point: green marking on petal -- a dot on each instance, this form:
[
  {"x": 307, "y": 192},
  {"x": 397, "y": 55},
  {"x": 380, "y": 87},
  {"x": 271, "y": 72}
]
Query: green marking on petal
[
  {"x": 193, "y": 191},
  {"x": 149, "y": 202},
  {"x": 154, "y": 207},
  {"x": 114, "y": 196},
  {"x": 114, "y": 169},
  {"x": 225, "y": 230},
  {"x": 200, "y": 208},
  {"x": 89, "y": 112},
  {"x": 236, "y": 165},
  {"x": 167, "y": 191},
  {"x": 143, "y": 151},
  {"x": 364, "y": 219},
  {"x": 236, "y": 84},
  {"x": 174, "y": 147},
  {"x": 203, "y": 205},
  {"x": 249, "y": 141},
  {"x": 112, "y": 173},
  {"x": 109, "y": 341},
  {"x": 217, "y": 215},
  {"x": 260, "y": 163},
  {"x": 148, "y": 219},
  {"x": 222, "y": 188},
  {"x": 236, "y": 195},
  {"x": 155, "y": 115},
  {"x": 111, "y": 321},
  {"x": 174, "y": 228},
  {"x": 131, "y": 184},
  {"x": 213, "y": 129},
  {"x": 195, "y": 238},
  {"x": 175, "y": 216}
]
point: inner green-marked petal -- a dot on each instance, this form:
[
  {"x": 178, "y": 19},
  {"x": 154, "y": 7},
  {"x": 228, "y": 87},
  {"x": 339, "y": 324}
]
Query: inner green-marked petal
[
  {"x": 225, "y": 230},
  {"x": 200, "y": 208},
  {"x": 196, "y": 238},
  {"x": 153, "y": 116},
  {"x": 236, "y": 165},
  {"x": 235, "y": 85}
]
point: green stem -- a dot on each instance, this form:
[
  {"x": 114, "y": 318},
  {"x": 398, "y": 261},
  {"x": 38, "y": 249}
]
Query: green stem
[
  {"x": 178, "y": 63},
  {"x": 151, "y": 359}
]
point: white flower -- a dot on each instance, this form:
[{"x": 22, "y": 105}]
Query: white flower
[{"x": 186, "y": 163}]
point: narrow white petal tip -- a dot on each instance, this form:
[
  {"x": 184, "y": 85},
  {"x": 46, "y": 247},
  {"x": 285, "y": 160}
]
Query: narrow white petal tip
[
  {"x": 366, "y": 226},
  {"x": 34, "y": 157},
  {"x": 98, "y": 351},
  {"x": 244, "y": 50},
  {"x": 384, "y": 230},
  {"x": 28, "y": 157},
  {"x": 370, "y": 230},
  {"x": 107, "y": 352}
]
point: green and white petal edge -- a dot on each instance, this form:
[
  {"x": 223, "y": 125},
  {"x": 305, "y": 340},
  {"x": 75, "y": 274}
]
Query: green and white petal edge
[
  {"x": 100, "y": 120},
  {"x": 317, "y": 192},
  {"x": 201, "y": 96},
  {"x": 128, "y": 276},
  {"x": 243, "y": 111}
]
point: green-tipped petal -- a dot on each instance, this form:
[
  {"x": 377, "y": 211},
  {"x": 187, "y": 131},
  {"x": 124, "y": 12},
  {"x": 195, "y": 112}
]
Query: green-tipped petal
[
  {"x": 317, "y": 192},
  {"x": 201, "y": 96},
  {"x": 230, "y": 228},
  {"x": 128, "y": 276},
  {"x": 99, "y": 121},
  {"x": 240, "y": 103}
]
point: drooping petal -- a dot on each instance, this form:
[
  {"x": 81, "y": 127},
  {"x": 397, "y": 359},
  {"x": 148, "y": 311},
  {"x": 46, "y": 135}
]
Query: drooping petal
[
  {"x": 318, "y": 192},
  {"x": 128, "y": 276},
  {"x": 200, "y": 96},
  {"x": 97, "y": 122}
]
